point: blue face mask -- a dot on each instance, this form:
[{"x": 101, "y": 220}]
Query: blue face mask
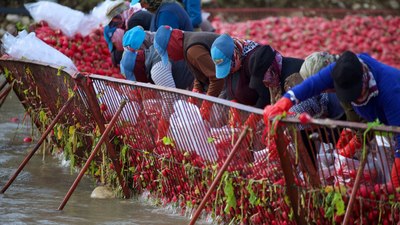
[{"x": 127, "y": 64}]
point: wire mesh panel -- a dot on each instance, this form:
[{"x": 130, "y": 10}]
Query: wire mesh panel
[
  {"x": 43, "y": 90},
  {"x": 337, "y": 151},
  {"x": 173, "y": 153},
  {"x": 172, "y": 144}
]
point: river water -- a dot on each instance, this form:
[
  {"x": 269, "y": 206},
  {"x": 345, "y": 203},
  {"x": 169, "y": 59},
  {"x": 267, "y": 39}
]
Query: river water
[{"x": 37, "y": 192}]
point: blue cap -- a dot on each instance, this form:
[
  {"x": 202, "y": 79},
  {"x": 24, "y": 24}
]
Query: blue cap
[
  {"x": 161, "y": 40},
  {"x": 134, "y": 38},
  {"x": 221, "y": 54},
  {"x": 133, "y": 2}
]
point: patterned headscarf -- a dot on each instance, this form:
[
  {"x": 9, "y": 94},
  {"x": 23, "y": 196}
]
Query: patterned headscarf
[
  {"x": 155, "y": 4},
  {"x": 315, "y": 62},
  {"x": 242, "y": 48},
  {"x": 272, "y": 75}
]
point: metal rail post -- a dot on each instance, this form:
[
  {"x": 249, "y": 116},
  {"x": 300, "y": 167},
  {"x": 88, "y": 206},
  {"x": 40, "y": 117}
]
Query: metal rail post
[
  {"x": 218, "y": 177},
  {"x": 360, "y": 171},
  {"x": 4, "y": 95},
  {"x": 103, "y": 137},
  {"x": 42, "y": 138},
  {"x": 289, "y": 178},
  {"x": 98, "y": 117}
]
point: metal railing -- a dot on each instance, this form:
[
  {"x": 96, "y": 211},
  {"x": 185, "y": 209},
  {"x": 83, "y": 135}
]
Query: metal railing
[{"x": 224, "y": 166}]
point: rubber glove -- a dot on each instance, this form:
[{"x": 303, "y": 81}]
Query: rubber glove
[
  {"x": 396, "y": 173},
  {"x": 282, "y": 105},
  {"x": 194, "y": 100}
]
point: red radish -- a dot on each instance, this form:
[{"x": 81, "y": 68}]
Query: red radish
[
  {"x": 304, "y": 118},
  {"x": 103, "y": 107},
  {"x": 27, "y": 139},
  {"x": 14, "y": 119}
]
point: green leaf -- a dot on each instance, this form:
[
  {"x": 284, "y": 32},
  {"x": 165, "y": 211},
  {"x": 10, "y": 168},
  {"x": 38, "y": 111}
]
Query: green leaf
[
  {"x": 167, "y": 141},
  {"x": 6, "y": 72},
  {"x": 210, "y": 139},
  {"x": 42, "y": 117},
  {"x": 59, "y": 70},
  {"x": 229, "y": 194},
  {"x": 253, "y": 197},
  {"x": 70, "y": 93},
  {"x": 339, "y": 204}
]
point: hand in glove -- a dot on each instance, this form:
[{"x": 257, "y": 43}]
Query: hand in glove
[
  {"x": 396, "y": 173},
  {"x": 194, "y": 100},
  {"x": 282, "y": 105}
]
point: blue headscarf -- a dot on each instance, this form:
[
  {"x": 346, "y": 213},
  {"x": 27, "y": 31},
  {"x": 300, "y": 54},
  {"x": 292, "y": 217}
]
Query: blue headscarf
[
  {"x": 108, "y": 33},
  {"x": 127, "y": 64}
]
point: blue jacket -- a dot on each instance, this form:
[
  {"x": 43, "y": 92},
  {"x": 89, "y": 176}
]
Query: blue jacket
[
  {"x": 193, "y": 8},
  {"x": 385, "y": 106},
  {"x": 173, "y": 15}
]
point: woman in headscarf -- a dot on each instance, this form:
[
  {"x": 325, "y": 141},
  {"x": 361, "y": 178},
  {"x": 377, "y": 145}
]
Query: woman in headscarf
[
  {"x": 122, "y": 17},
  {"x": 348, "y": 142},
  {"x": 371, "y": 87},
  {"x": 144, "y": 64},
  {"x": 270, "y": 68}
]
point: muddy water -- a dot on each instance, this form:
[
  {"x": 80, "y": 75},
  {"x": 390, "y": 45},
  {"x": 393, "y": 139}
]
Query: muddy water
[{"x": 35, "y": 195}]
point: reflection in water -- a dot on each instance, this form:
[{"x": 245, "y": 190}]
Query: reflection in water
[{"x": 37, "y": 192}]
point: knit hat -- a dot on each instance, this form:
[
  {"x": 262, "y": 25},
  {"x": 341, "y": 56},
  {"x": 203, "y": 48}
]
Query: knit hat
[
  {"x": 259, "y": 63},
  {"x": 161, "y": 40},
  {"x": 221, "y": 54},
  {"x": 140, "y": 18},
  {"x": 314, "y": 63},
  {"x": 347, "y": 77},
  {"x": 134, "y": 38},
  {"x": 115, "y": 8}
]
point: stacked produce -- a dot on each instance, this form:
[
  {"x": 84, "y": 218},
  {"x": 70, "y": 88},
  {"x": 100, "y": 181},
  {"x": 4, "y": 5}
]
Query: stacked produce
[
  {"x": 89, "y": 54},
  {"x": 300, "y": 36}
]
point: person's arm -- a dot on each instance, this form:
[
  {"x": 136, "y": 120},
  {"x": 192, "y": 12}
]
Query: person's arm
[
  {"x": 162, "y": 75},
  {"x": 314, "y": 85},
  {"x": 200, "y": 58},
  {"x": 391, "y": 108}
]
